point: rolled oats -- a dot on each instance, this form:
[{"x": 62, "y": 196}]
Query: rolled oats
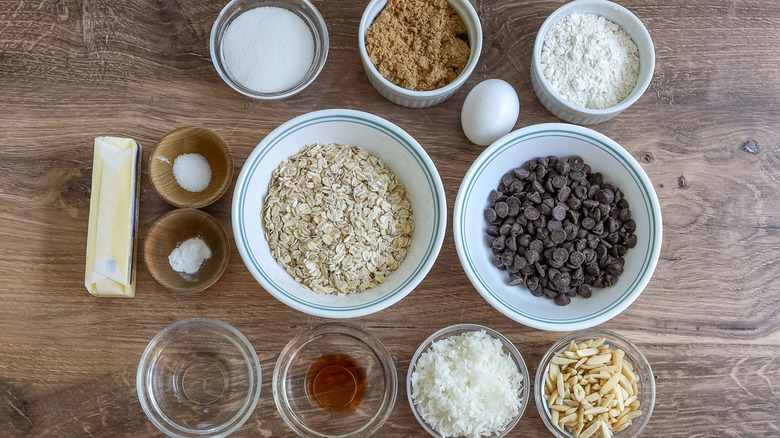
[{"x": 337, "y": 219}]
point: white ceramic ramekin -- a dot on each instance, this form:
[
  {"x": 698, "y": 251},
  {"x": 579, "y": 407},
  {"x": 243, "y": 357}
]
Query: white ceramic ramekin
[
  {"x": 619, "y": 15},
  {"x": 420, "y": 99}
]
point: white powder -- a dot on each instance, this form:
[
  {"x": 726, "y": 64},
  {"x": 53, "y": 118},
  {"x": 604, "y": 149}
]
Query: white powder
[
  {"x": 465, "y": 385},
  {"x": 268, "y": 49},
  {"x": 590, "y": 61},
  {"x": 192, "y": 172},
  {"x": 189, "y": 255}
]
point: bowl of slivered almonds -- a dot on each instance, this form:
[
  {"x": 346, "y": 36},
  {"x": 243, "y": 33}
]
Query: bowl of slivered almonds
[{"x": 339, "y": 213}]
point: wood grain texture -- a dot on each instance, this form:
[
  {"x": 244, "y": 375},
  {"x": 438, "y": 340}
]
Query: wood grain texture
[{"x": 72, "y": 70}]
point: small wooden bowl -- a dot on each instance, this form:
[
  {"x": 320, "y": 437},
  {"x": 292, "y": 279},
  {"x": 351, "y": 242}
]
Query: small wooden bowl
[
  {"x": 191, "y": 140},
  {"x": 171, "y": 230}
]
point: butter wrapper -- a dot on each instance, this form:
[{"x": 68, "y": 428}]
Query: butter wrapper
[{"x": 113, "y": 218}]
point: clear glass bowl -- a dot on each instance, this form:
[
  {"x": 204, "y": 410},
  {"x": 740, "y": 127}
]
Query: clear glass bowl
[
  {"x": 198, "y": 377},
  {"x": 645, "y": 387},
  {"x": 303, "y": 9},
  {"x": 509, "y": 348},
  {"x": 298, "y": 370}
]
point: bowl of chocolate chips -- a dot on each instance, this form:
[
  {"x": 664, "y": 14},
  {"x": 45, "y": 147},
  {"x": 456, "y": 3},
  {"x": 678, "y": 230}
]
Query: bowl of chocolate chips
[{"x": 557, "y": 227}]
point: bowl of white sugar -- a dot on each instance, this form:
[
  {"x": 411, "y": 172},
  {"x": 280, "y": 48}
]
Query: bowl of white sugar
[
  {"x": 468, "y": 380},
  {"x": 269, "y": 49},
  {"x": 592, "y": 59}
]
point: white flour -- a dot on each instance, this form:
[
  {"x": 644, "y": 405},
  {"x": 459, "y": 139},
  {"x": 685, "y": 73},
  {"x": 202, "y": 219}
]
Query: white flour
[{"x": 590, "y": 61}]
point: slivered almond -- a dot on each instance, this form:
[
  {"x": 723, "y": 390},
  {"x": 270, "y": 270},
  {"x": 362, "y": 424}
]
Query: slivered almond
[
  {"x": 597, "y": 410},
  {"x": 599, "y": 359},
  {"x": 587, "y": 352},
  {"x": 590, "y": 430},
  {"x": 557, "y": 360}
]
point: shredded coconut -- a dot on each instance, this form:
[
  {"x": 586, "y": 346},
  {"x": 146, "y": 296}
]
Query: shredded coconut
[
  {"x": 590, "y": 61},
  {"x": 466, "y": 386}
]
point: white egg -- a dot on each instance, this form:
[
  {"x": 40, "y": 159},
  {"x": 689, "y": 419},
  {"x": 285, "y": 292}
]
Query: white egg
[{"x": 489, "y": 111}]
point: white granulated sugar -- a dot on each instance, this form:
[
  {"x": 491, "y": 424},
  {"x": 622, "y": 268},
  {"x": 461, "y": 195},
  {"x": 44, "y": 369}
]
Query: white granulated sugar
[
  {"x": 192, "y": 172},
  {"x": 590, "y": 61},
  {"x": 466, "y": 386},
  {"x": 268, "y": 49},
  {"x": 189, "y": 255}
]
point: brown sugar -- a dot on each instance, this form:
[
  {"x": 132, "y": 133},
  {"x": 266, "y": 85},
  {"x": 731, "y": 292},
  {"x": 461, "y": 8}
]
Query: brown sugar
[{"x": 418, "y": 44}]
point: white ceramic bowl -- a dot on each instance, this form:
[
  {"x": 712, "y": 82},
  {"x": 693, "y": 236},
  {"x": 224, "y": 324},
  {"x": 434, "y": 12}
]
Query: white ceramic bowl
[
  {"x": 304, "y": 10},
  {"x": 603, "y": 155},
  {"x": 553, "y": 101},
  {"x": 420, "y": 99},
  {"x": 402, "y": 155}
]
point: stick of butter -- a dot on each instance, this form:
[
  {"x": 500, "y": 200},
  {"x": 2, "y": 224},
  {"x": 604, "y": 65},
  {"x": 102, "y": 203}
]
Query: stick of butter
[{"x": 113, "y": 218}]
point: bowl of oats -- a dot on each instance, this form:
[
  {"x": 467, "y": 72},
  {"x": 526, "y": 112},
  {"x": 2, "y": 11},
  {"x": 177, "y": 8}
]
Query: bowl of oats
[{"x": 339, "y": 213}]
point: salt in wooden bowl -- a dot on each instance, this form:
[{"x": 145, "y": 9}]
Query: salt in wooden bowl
[
  {"x": 191, "y": 140},
  {"x": 168, "y": 232}
]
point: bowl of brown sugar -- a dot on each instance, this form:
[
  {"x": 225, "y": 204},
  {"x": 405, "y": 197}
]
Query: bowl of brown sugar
[{"x": 418, "y": 53}]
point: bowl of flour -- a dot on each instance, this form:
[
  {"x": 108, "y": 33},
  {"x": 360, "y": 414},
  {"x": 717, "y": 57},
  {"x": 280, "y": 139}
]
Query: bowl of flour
[{"x": 592, "y": 59}]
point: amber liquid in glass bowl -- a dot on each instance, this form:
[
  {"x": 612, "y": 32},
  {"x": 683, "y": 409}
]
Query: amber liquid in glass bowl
[{"x": 336, "y": 382}]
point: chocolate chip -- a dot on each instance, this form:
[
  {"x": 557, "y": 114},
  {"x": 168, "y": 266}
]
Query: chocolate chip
[
  {"x": 562, "y": 300},
  {"x": 521, "y": 172},
  {"x": 577, "y": 163},
  {"x": 558, "y": 236},
  {"x": 559, "y": 212},
  {"x": 508, "y": 178},
  {"x": 576, "y": 258},
  {"x": 502, "y": 209},
  {"x": 531, "y": 213}
]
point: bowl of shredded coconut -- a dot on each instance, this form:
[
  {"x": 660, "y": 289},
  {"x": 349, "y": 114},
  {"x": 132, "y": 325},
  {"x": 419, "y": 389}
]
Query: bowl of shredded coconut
[
  {"x": 468, "y": 380},
  {"x": 592, "y": 59}
]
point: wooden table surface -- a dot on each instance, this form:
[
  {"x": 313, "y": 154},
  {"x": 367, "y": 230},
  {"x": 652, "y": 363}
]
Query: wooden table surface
[{"x": 706, "y": 132}]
